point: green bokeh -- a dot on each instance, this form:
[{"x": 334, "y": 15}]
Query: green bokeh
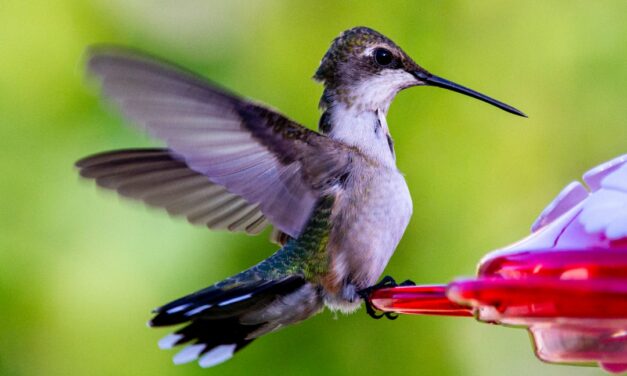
[{"x": 80, "y": 270}]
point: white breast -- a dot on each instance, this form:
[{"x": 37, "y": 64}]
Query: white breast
[
  {"x": 382, "y": 215},
  {"x": 373, "y": 214}
]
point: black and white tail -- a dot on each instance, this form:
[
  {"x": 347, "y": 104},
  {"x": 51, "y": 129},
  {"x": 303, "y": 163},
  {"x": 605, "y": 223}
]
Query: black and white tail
[{"x": 224, "y": 318}]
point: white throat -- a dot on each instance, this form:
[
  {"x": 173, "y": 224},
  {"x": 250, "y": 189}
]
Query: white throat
[
  {"x": 357, "y": 117},
  {"x": 366, "y": 130}
]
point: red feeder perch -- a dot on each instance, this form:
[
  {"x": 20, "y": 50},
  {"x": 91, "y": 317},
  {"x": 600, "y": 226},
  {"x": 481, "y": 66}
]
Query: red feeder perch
[{"x": 566, "y": 282}]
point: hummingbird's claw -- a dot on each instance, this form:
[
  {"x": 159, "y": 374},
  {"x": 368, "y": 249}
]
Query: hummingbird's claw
[
  {"x": 371, "y": 311},
  {"x": 386, "y": 282}
]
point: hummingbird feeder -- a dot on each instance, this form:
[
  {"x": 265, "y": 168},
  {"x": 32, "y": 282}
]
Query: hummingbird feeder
[{"x": 566, "y": 282}]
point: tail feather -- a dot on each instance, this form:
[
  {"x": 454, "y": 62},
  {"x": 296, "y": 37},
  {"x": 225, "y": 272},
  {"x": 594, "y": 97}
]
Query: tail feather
[
  {"x": 210, "y": 341},
  {"x": 224, "y": 301},
  {"x": 215, "y": 331}
]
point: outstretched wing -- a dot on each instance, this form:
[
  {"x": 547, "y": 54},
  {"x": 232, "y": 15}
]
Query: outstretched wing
[{"x": 250, "y": 150}]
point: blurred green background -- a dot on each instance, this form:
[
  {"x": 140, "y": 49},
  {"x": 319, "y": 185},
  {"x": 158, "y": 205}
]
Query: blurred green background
[{"x": 80, "y": 270}]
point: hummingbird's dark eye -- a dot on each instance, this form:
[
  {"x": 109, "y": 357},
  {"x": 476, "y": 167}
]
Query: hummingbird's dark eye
[{"x": 383, "y": 57}]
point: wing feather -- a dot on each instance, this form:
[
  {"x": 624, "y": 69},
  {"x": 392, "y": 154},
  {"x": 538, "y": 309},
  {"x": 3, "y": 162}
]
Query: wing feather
[{"x": 158, "y": 178}]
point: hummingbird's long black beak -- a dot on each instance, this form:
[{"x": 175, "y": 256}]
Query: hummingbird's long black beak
[{"x": 433, "y": 80}]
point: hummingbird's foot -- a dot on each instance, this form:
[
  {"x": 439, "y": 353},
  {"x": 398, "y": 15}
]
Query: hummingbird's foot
[{"x": 386, "y": 282}]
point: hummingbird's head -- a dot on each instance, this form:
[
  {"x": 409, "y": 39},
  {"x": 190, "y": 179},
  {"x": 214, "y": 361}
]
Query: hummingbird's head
[{"x": 366, "y": 69}]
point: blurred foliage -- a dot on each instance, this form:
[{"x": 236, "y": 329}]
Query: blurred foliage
[{"x": 80, "y": 270}]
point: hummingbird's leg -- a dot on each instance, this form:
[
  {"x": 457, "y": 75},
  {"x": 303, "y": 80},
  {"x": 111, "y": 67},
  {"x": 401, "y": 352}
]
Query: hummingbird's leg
[{"x": 386, "y": 282}]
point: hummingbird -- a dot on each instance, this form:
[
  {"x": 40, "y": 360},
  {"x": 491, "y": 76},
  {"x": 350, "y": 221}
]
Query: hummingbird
[{"x": 335, "y": 198}]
